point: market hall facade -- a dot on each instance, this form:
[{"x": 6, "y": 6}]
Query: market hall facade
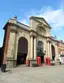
[{"x": 23, "y": 42}]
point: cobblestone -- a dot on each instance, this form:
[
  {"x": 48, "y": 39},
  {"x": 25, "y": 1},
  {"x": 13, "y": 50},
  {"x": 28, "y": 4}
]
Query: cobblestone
[{"x": 44, "y": 74}]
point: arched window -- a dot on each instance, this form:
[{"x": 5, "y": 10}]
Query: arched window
[
  {"x": 40, "y": 45},
  {"x": 40, "y": 48}
]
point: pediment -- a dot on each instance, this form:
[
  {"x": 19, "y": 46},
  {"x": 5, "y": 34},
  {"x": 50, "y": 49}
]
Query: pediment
[{"x": 41, "y": 21}]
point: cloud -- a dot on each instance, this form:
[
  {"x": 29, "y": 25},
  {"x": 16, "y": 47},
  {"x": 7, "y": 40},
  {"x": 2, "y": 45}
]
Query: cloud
[
  {"x": 25, "y": 21},
  {"x": 55, "y": 17},
  {"x": 1, "y": 37}
]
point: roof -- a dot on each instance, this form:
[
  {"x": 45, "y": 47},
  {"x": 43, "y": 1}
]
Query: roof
[
  {"x": 14, "y": 22},
  {"x": 24, "y": 26}
]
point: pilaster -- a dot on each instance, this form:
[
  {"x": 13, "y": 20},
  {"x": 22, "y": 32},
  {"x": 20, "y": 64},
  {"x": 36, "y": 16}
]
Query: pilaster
[
  {"x": 32, "y": 47},
  {"x": 35, "y": 48}
]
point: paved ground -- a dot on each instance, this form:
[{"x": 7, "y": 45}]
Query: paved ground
[{"x": 44, "y": 74}]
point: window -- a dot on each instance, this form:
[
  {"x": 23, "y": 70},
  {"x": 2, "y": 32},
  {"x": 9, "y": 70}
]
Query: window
[{"x": 40, "y": 48}]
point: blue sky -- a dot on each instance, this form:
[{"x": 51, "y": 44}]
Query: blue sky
[{"x": 51, "y": 10}]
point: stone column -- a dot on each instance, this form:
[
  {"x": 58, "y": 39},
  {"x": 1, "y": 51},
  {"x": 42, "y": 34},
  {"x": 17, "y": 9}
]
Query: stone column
[
  {"x": 50, "y": 51},
  {"x": 56, "y": 52},
  {"x": 48, "y": 54},
  {"x": 6, "y": 43},
  {"x": 11, "y": 54},
  {"x": 34, "y": 48}
]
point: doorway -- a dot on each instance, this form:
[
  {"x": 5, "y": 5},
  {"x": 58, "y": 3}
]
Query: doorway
[
  {"x": 22, "y": 51},
  {"x": 40, "y": 50},
  {"x": 53, "y": 52}
]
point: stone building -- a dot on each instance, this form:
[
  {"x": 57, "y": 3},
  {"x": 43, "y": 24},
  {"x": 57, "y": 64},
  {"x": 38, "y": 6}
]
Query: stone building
[
  {"x": 22, "y": 42},
  {"x": 61, "y": 47}
]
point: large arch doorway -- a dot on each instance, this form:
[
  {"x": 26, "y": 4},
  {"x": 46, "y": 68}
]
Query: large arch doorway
[
  {"x": 22, "y": 51},
  {"x": 40, "y": 50},
  {"x": 53, "y": 52}
]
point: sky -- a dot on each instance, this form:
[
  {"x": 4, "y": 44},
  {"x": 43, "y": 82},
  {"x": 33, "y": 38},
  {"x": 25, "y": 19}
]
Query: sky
[{"x": 51, "y": 10}]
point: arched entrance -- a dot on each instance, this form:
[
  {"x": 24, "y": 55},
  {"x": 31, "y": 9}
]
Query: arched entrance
[
  {"x": 40, "y": 50},
  {"x": 53, "y": 52},
  {"x": 22, "y": 51}
]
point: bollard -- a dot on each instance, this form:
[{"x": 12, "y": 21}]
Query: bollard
[
  {"x": 39, "y": 61},
  {"x": 27, "y": 63},
  {"x": 48, "y": 61}
]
